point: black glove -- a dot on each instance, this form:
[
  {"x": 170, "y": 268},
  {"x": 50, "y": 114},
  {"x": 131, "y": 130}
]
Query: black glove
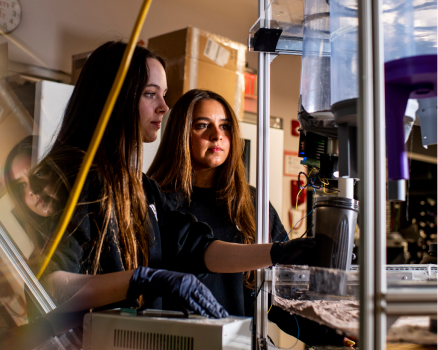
[
  {"x": 294, "y": 252},
  {"x": 185, "y": 288}
]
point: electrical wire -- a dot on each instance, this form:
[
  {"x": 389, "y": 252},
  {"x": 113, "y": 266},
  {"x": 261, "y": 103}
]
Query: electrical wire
[
  {"x": 315, "y": 182},
  {"x": 97, "y": 135},
  {"x": 296, "y": 206},
  {"x": 312, "y": 181},
  {"x": 272, "y": 345},
  {"x": 325, "y": 183},
  {"x": 287, "y": 236},
  {"x": 307, "y": 231}
]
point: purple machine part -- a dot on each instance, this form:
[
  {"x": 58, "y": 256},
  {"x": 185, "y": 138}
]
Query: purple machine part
[{"x": 410, "y": 77}]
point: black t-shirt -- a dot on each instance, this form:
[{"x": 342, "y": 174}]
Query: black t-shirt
[{"x": 228, "y": 288}]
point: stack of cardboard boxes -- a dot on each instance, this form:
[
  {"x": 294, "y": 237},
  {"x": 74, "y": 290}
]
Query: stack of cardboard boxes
[
  {"x": 198, "y": 59},
  {"x": 195, "y": 59}
]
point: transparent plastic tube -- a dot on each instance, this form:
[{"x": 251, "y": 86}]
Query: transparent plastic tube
[
  {"x": 410, "y": 28},
  {"x": 344, "y": 63},
  {"x": 315, "y": 71}
]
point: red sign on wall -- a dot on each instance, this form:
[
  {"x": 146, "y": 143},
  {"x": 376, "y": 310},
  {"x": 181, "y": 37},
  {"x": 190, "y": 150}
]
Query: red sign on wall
[{"x": 294, "y": 128}]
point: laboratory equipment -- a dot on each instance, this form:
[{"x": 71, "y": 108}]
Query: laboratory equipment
[
  {"x": 311, "y": 147},
  {"x": 344, "y": 81},
  {"x": 410, "y": 50},
  {"x": 368, "y": 65},
  {"x": 315, "y": 64},
  {"x": 116, "y": 329},
  {"x": 427, "y": 114},
  {"x": 344, "y": 54},
  {"x": 410, "y": 72},
  {"x": 335, "y": 226},
  {"x": 331, "y": 296}
]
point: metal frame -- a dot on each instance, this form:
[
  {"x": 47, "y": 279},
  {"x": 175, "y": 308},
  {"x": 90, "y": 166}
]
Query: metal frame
[
  {"x": 371, "y": 134},
  {"x": 376, "y": 300},
  {"x": 262, "y": 208},
  {"x": 36, "y": 290}
]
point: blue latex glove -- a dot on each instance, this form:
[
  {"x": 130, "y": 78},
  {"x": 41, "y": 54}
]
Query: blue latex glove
[
  {"x": 185, "y": 288},
  {"x": 297, "y": 251}
]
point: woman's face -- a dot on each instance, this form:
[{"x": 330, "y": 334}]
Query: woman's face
[
  {"x": 152, "y": 105},
  {"x": 210, "y": 135},
  {"x": 37, "y": 190}
]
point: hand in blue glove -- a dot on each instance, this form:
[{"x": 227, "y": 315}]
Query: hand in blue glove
[
  {"x": 185, "y": 288},
  {"x": 294, "y": 252}
]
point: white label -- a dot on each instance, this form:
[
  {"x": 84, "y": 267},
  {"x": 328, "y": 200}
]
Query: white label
[
  {"x": 292, "y": 163},
  {"x": 216, "y": 53},
  {"x": 152, "y": 206}
]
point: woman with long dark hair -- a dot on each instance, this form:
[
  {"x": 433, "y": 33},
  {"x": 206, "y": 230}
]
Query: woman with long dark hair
[{"x": 199, "y": 167}]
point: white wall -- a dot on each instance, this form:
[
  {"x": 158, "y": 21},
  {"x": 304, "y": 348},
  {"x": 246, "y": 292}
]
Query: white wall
[{"x": 276, "y": 137}]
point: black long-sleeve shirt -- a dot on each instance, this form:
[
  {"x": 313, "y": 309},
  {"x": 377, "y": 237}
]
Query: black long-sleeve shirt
[{"x": 228, "y": 288}]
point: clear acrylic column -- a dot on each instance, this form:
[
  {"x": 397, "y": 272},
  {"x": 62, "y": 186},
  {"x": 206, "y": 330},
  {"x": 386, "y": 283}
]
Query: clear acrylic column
[
  {"x": 344, "y": 81},
  {"x": 315, "y": 66}
]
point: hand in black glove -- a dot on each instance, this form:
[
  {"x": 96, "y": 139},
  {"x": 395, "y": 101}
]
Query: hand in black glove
[
  {"x": 185, "y": 288},
  {"x": 294, "y": 252}
]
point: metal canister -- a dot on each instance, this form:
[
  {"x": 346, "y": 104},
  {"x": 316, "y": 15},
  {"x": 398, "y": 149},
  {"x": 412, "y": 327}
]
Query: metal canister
[{"x": 335, "y": 221}]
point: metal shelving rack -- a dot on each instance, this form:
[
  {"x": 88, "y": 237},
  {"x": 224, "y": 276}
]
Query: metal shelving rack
[{"x": 376, "y": 300}]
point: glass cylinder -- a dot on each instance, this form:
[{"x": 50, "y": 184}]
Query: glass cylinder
[
  {"x": 410, "y": 28},
  {"x": 344, "y": 63},
  {"x": 315, "y": 67}
]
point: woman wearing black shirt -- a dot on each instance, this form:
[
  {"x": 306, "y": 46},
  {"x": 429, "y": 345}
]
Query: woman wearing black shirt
[{"x": 199, "y": 166}]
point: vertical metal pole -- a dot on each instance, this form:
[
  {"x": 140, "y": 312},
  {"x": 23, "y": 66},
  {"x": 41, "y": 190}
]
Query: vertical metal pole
[
  {"x": 380, "y": 176},
  {"x": 366, "y": 175},
  {"x": 262, "y": 210}
]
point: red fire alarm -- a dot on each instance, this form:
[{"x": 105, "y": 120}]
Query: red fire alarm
[{"x": 295, "y": 127}]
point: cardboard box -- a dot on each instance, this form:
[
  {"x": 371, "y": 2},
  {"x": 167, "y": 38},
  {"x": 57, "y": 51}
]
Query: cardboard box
[{"x": 198, "y": 59}]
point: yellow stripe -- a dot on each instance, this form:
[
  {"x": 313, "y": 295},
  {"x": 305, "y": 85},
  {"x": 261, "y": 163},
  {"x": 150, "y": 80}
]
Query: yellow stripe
[{"x": 98, "y": 134}]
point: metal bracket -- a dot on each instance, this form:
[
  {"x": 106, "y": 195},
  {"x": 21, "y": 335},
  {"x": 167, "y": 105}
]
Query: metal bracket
[
  {"x": 272, "y": 56},
  {"x": 266, "y": 39}
]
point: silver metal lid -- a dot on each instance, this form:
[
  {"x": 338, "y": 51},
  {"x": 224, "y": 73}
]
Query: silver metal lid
[{"x": 339, "y": 202}]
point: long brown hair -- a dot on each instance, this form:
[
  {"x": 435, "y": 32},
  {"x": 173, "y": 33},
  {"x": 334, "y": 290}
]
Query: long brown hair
[
  {"x": 172, "y": 166},
  {"x": 118, "y": 162}
]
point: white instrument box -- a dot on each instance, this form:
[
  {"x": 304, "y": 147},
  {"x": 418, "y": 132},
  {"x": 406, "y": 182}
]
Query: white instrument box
[{"x": 115, "y": 330}]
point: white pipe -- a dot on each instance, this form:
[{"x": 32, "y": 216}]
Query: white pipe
[{"x": 346, "y": 187}]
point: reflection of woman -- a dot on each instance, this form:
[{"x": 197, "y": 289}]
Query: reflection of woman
[
  {"x": 199, "y": 166},
  {"x": 37, "y": 196},
  {"x": 42, "y": 199}
]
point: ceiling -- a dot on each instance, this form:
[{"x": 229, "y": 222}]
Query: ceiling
[{"x": 51, "y": 31}]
